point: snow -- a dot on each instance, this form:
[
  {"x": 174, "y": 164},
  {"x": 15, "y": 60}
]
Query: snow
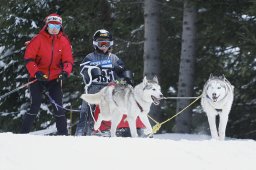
[
  {"x": 2, "y": 64},
  {"x": 167, "y": 151}
]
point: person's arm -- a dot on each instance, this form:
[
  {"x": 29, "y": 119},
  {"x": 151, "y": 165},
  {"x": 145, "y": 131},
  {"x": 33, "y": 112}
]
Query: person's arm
[
  {"x": 86, "y": 61},
  {"x": 118, "y": 65},
  {"x": 67, "y": 58},
  {"x": 84, "y": 70},
  {"x": 122, "y": 72},
  {"x": 30, "y": 56}
]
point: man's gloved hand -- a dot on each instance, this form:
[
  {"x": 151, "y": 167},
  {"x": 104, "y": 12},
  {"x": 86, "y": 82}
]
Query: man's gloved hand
[
  {"x": 63, "y": 75},
  {"x": 128, "y": 76},
  {"x": 118, "y": 68},
  {"x": 40, "y": 76}
]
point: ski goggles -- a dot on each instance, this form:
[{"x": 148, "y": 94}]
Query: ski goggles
[
  {"x": 54, "y": 26},
  {"x": 103, "y": 43}
]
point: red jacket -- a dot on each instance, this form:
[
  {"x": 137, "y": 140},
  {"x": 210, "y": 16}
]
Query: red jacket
[{"x": 50, "y": 54}]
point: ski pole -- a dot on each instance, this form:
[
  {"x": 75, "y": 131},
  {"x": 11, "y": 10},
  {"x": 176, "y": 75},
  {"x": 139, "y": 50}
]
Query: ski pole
[{"x": 24, "y": 85}]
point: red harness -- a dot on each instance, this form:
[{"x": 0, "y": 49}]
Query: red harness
[
  {"x": 105, "y": 125},
  {"x": 112, "y": 83}
]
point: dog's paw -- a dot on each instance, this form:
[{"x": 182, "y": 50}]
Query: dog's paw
[
  {"x": 148, "y": 131},
  {"x": 215, "y": 138},
  {"x": 147, "y": 135},
  {"x": 113, "y": 135},
  {"x": 135, "y": 136}
]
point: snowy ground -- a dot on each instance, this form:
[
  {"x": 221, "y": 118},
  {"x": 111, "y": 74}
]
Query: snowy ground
[{"x": 169, "y": 151}]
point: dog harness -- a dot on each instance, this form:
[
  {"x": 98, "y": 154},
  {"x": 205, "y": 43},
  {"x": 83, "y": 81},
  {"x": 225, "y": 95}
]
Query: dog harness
[{"x": 140, "y": 107}]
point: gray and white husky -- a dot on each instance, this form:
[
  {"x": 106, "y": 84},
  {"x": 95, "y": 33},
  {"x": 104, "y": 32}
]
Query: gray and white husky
[
  {"x": 217, "y": 99},
  {"x": 116, "y": 100}
]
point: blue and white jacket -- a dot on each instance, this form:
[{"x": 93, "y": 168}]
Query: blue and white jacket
[{"x": 111, "y": 67}]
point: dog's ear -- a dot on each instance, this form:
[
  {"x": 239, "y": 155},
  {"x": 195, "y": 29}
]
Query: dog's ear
[
  {"x": 223, "y": 77},
  {"x": 145, "y": 80},
  {"x": 211, "y": 76},
  {"x": 155, "y": 79}
]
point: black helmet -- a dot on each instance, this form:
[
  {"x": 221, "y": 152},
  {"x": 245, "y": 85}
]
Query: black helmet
[{"x": 102, "y": 38}]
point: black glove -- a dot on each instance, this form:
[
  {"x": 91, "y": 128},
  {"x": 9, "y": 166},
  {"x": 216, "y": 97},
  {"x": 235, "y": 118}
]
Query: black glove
[
  {"x": 118, "y": 69},
  {"x": 63, "y": 75},
  {"x": 40, "y": 76},
  {"x": 95, "y": 72},
  {"x": 128, "y": 76}
]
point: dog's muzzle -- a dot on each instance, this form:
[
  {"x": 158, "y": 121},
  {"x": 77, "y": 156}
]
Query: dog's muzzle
[
  {"x": 156, "y": 101},
  {"x": 214, "y": 97}
]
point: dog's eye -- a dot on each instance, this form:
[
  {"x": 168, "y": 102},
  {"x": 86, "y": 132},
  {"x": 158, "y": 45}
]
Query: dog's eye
[
  {"x": 154, "y": 89},
  {"x": 218, "y": 87}
]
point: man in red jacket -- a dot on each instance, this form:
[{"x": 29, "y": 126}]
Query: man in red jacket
[{"x": 48, "y": 59}]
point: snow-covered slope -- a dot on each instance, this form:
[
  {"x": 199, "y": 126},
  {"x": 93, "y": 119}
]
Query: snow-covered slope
[{"x": 168, "y": 151}]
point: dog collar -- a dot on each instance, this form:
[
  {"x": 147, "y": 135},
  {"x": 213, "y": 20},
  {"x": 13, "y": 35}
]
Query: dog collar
[{"x": 218, "y": 110}]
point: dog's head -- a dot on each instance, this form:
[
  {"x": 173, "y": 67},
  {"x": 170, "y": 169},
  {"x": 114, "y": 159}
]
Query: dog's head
[
  {"x": 216, "y": 88},
  {"x": 152, "y": 91}
]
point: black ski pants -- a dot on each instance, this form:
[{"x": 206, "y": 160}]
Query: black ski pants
[{"x": 53, "y": 88}]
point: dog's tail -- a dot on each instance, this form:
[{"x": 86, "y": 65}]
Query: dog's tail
[{"x": 92, "y": 98}]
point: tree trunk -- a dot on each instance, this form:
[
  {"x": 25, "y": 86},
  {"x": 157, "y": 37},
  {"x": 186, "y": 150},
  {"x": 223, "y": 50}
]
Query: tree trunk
[
  {"x": 187, "y": 63},
  {"x": 151, "y": 46}
]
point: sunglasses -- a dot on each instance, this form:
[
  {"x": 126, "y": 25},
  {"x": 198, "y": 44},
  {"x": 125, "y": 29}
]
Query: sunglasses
[{"x": 56, "y": 26}]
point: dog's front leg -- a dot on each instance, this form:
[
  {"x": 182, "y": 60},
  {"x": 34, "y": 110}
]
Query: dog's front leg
[
  {"x": 223, "y": 124},
  {"x": 145, "y": 121},
  {"x": 116, "y": 119},
  {"x": 132, "y": 126},
  {"x": 211, "y": 116},
  {"x": 212, "y": 124}
]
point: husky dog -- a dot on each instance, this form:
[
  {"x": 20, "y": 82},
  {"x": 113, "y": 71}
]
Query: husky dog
[
  {"x": 116, "y": 100},
  {"x": 217, "y": 99}
]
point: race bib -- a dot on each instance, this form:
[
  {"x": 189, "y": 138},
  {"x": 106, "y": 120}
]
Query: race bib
[{"x": 107, "y": 74}]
